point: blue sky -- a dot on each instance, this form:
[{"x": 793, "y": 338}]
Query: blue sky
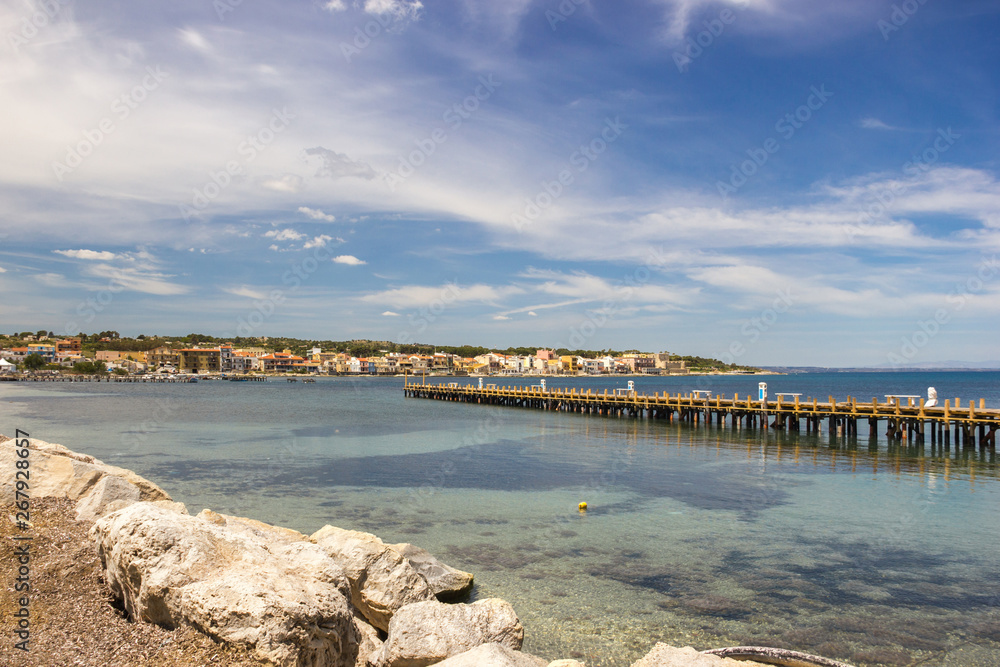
[{"x": 764, "y": 181}]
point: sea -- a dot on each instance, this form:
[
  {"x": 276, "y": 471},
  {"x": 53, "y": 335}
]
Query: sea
[{"x": 859, "y": 549}]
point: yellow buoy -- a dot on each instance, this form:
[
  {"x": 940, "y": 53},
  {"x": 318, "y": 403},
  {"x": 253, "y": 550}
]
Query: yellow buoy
[{"x": 582, "y": 507}]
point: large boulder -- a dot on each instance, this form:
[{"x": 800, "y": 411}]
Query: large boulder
[
  {"x": 493, "y": 655},
  {"x": 60, "y": 473},
  {"x": 382, "y": 581},
  {"x": 446, "y": 582},
  {"x": 285, "y": 599},
  {"x": 426, "y": 633}
]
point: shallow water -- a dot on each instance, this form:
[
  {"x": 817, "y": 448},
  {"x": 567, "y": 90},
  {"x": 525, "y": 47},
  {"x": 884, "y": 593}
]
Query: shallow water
[{"x": 853, "y": 549}]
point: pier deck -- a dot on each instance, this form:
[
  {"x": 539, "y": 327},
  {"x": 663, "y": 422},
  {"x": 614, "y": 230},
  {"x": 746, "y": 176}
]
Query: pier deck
[{"x": 904, "y": 419}]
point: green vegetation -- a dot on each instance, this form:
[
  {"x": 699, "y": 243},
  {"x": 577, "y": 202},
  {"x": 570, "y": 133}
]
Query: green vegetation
[{"x": 34, "y": 362}]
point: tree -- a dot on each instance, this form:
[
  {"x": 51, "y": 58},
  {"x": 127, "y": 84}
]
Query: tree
[{"x": 34, "y": 362}]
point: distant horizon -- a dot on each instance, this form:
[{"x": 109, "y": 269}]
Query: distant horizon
[{"x": 949, "y": 365}]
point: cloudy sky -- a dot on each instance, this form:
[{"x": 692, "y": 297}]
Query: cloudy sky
[{"x": 765, "y": 181}]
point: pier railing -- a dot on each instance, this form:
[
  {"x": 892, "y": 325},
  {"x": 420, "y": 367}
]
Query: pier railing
[{"x": 905, "y": 418}]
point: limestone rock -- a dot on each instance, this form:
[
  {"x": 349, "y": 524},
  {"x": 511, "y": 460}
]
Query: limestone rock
[
  {"x": 109, "y": 494},
  {"x": 382, "y": 581},
  {"x": 367, "y": 639},
  {"x": 425, "y": 633},
  {"x": 664, "y": 655},
  {"x": 492, "y": 655},
  {"x": 287, "y": 600},
  {"x": 446, "y": 582},
  {"x": 61, "y": 473},
  {"x": 566, "y": 663}
]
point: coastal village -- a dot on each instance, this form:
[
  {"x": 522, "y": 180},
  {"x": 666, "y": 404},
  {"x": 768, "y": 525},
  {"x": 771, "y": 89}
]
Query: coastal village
[{"x": 67, "y": 353}]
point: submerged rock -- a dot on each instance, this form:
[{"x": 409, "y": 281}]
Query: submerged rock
[
  {"x": 426, "y": 633},
  {"x": 493, "y": 655},
  {"x": 286, "y": 599},
  {"x": 664, "y": 655},
  {"x": 381, "y": 580}
]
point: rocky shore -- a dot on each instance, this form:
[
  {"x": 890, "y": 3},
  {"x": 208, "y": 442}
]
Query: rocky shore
[{"x": 126, "y": 576}]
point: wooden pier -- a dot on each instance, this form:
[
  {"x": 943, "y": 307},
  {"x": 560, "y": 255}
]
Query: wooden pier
[
  {"x": 905, "y": 419},
  {"x": 127, "y": 379}
]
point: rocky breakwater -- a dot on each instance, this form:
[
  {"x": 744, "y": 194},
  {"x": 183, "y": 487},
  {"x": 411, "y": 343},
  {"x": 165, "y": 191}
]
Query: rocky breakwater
[{"x": 337, "y": 598}]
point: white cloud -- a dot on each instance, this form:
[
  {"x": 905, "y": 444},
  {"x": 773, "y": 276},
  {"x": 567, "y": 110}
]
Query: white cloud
[
  {"x": 284, "y": 235},
  {"x": 287, "y": 183},
  {"x": 3, "y": 270},
  {"x": 532, "y": 313},
  {"x": 500, "y": 317},
  {"x": 195, "y": 40},
  {"x": 420, "y": 295},
  {"x": 335, "y": 6},
  {"x": 875, "y": 124},
  {"x": 350, "y": 260},
  {"x": 389, "y": 313},
  {"x": 245, "y": 291},
  {"x": 318, "y": 242},
  {"x": 137, "y": 280},
  {"x": 336, "y": 165},
  {"x": 101, "y": 255},
  {"x": 400, "y": 10},
  {"x": 316, "y": 214}
]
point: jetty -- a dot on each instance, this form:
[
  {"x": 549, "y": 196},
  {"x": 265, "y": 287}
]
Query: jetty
[
  {"x": 128, "y": 379},
  {"x": 905, "y": 418}
]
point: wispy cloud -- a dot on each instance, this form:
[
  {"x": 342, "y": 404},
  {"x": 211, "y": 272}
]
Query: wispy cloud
[
  {"x": 875, "y": 124},
  {"x": 245, "y": 291},
  {"x": 338, "y": 165},
  {"x": 316, "y": 214},
  {"x": 101, "y": 255},
  {"x": 319, "y": 242},
  {"x": 284, "y": 235}
]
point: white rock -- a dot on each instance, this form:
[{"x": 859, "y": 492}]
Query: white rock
[
  {"x": 492, "y": 655},
  {"x": 425, "y": 633},
  {"x": 382, "y": 581},
  {"x": 109, "y": 494},
  {"x": 61, "y": 473},
  {"x": 446, "y": 582},
  {"x": 566, "y": 663},
  {"x": 286, "y": 599}
]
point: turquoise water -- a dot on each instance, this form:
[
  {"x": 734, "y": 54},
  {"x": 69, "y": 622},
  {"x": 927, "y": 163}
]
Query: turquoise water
[{"x": 873, "y": 553}]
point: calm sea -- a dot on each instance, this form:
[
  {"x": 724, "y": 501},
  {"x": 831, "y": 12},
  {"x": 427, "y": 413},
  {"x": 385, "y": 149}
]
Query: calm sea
[{"x": 873, "y": 553}]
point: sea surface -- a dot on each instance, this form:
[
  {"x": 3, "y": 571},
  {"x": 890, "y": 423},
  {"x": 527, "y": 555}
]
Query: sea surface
[{"x": 857, "y": 549}]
